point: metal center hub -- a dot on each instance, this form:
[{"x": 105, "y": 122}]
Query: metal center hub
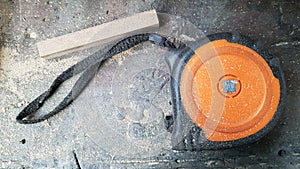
[{"x": 229, "y": 86}]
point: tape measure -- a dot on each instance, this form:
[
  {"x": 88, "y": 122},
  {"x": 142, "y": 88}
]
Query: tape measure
[
  {"x": 225, "y": 90},
  {"x": 231, "y": 90}
]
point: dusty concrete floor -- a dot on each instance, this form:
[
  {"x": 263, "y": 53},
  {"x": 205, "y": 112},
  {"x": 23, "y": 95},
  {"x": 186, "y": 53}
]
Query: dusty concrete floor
[{"x": 101, "y": 131}]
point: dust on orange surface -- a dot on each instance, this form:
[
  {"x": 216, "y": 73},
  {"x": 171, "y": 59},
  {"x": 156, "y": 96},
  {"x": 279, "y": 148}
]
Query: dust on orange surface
[{"x": 229, "y": 90}]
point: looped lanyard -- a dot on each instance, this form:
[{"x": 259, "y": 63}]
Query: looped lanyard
[{"x": 89, "y": 66}]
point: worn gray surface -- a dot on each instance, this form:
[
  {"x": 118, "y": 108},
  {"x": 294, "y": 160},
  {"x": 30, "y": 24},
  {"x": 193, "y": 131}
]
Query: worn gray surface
[{"x": 105, "y": 126}]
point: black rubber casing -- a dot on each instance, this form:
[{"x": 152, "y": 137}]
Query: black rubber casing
[{"x": 187, "y": 136}]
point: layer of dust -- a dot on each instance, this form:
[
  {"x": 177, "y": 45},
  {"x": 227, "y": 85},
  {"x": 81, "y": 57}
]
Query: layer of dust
[{"x": 52, "y": 144}]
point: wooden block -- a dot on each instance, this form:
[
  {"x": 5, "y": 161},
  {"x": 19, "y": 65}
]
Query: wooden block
[{"x": 101, "y": 34}]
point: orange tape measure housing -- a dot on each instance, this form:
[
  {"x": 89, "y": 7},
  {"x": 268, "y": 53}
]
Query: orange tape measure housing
[{"x": 229, "y": 90}]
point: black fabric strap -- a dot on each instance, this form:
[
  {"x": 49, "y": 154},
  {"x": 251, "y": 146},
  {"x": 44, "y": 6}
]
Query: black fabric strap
[{"x": 89, "y": 67}]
